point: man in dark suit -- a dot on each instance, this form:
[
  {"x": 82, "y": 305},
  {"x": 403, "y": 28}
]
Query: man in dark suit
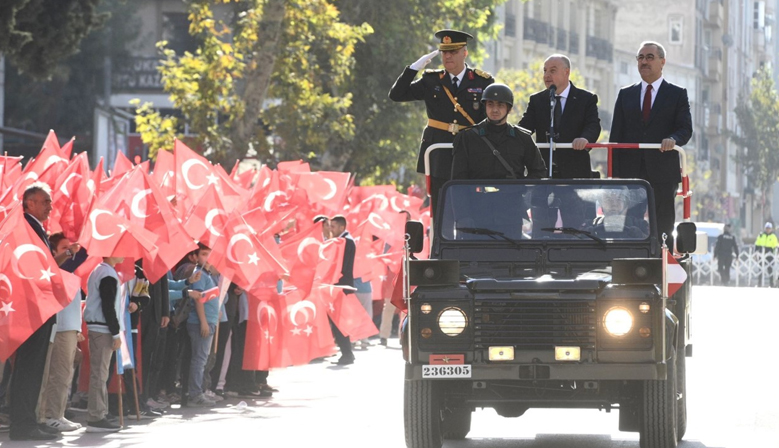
[
  {"x": 578, "y": 121},
  {"x": 338, "y": 230},
  {"x": 652, "y": 111},
  {"x": 452, "y": 98},
  {"x": 30, "y": 360}
]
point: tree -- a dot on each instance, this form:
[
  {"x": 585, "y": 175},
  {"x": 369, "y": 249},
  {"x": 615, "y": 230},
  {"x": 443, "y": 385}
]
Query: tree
[
  {"x": 331, "y": 71},
  {"x": 37, "y": 34},
  {"x": 66, "y": 100},
  {"x": 296, "y": 52},
  {"x": 758, "y": 118}
]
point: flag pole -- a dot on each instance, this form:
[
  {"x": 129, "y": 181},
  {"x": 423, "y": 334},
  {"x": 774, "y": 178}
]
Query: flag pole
[
  {"x": 135, "y": 394},
  {"x": 119, "y": 381}
]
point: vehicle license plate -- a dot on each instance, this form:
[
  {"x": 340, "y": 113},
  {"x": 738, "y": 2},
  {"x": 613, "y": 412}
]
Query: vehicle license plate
[{"x": 454, "y": 371}]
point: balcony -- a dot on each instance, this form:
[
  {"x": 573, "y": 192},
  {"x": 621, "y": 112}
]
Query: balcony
[
  {"x": 562, "y": 39},
  {"x": 716, "y": 16},
  {"x": 537, "y": 31},
  {"x": 136, "y": 74},
  {"x": 599, "y": 48},
  {"x": 573, "y": 42}
]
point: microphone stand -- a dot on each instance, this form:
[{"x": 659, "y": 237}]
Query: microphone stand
[{"x": 553, "y": 104}]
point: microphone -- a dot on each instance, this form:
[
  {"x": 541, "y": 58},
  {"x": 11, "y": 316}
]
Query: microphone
[{"x": 552, "y": 94}]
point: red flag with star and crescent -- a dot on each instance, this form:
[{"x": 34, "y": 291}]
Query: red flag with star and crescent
[{"x": 32, "y": 287}]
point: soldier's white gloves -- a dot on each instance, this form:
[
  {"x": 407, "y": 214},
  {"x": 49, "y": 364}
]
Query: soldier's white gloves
[{"x": 423, "y": 61}]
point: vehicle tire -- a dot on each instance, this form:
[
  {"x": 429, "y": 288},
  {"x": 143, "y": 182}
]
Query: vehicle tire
[
  {"x": 422, "y": 414},
  {"x": 658, "y": 422},
  {"x": 681, "y": 392},
  {"x": 457, "y": 424}
]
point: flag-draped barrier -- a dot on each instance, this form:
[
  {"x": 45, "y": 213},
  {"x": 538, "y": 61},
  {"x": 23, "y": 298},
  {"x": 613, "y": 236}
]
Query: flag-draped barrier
[{"x": 258, "y": 223}]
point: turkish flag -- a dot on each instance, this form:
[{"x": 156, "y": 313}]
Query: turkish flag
[
  {"x": 262, "y": 350},
  {"x": 312, "y": 260},
  {"x": 10, "y": 172},
  {"x": 164, "y": 173},
  {"x": 50, "y": 155},
  {"x": 209, "y": 294},
  {"x": 675, "y": 274},
  {"x": 304, "y": 332},
  {"x": 242, "y": 256},
  {"x": 122, "y": 165},
  {"x": 137, "y": 198},
  {"x": 106, "y": 234},
  {"x": 206, "y": 219},
  {"x": 346, "y": 311},
  {"x": 32, "y": 287},
  {"x": 72, "y": 194},
  {"x": 193, "y": 173},
  {"x": 326, "y": 190}
]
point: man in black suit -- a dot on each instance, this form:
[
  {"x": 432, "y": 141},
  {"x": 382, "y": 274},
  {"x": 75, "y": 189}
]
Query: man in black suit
[
  {"x": 652, "y": 111},
  {"x": 452, "y": 98},
  {"x": 338, "y": 230},
  {"x": 578, "y": 121},
  {"x": 30, "y": 361}
]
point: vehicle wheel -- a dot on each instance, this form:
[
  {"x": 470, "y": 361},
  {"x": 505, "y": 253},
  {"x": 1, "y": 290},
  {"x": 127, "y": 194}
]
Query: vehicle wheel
[
  {"x": 658, "y": 425},
  {"x": 457, "y": 424},
  {"x": 681, "y": 392},
  {"x": 422, "y": 414}
]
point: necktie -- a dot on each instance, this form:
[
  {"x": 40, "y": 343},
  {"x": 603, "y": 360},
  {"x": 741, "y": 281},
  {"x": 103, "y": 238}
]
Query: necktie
[
  {"x": 454, "y": 83},
  {"x": 558, "y": 113},
  {"x": 647, "y": 107}
]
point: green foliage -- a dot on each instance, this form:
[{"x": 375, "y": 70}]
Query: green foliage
[
  {"x": 758, "y": 117},
  {"x": 296, "y": 52},
  {"x": 38, "y": 34}
]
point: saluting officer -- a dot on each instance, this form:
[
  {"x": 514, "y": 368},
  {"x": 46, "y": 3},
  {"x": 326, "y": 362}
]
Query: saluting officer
[{"x": 452, "y": 98}]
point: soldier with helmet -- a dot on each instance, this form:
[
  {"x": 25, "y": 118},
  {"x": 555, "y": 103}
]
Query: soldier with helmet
[
  {"x": 495, "y": 149},
  {"x": 452, "y": 98}
]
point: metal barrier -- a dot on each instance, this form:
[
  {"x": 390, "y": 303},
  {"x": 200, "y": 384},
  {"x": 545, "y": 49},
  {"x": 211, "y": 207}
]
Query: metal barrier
[{"x": 751, "y": 268}]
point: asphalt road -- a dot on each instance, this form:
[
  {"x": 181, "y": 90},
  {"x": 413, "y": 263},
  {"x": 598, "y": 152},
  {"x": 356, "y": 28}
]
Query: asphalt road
[{"x": 733, "y": 399}]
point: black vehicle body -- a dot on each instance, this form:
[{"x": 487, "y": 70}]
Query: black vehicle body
[{"x": 530, "y": 307}]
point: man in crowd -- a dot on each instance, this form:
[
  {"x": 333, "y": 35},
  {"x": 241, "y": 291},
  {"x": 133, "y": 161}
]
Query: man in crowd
[
  {"x": 724, "y": 251},
  {"x": 652, "y": 111},
  {"x": 766, "y": 243},
  {"x": 28, "y": 369},
  {"x": 338, "y": 230},
  {"x": 452, "y": 99},
  {"x": 201, "y": 324},
  {"x": 103, "y": 315}
]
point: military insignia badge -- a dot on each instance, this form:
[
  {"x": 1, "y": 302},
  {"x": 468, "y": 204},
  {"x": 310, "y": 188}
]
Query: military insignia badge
[{"x": 446, "y": 40}]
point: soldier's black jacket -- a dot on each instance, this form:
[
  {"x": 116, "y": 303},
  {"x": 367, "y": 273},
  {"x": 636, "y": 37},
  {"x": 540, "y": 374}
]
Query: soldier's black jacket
[
  {"x": 473, "y": 159},
  {"x": 429, "y": 87}
]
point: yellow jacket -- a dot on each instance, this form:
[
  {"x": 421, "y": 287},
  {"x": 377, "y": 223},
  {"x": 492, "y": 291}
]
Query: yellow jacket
[{"x": 767, "y": 240}]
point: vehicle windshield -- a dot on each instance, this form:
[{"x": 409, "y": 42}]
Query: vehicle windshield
[{"x": 597, "y": 211}]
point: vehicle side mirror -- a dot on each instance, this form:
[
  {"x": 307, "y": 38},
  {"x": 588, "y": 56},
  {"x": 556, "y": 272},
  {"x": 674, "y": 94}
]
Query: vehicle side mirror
[
  {"x": 416, "y": 232},
  {"x": 686, "y": 240}
]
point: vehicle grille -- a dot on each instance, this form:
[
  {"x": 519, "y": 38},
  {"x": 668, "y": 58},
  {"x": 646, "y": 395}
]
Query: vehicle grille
[{"x": 535, "y": 324}]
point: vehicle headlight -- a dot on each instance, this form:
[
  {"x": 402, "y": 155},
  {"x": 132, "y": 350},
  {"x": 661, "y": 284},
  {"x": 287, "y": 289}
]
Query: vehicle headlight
[
  {"x": 452, "y": 321},
  {"x": 618, "y": 321}
]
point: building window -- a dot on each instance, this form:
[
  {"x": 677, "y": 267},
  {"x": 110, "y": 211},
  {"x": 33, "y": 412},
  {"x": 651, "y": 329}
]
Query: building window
[
  {"x": 675, "y": 30},
  {"x": 511, "y": 25},
  {"x": 623, "y": 67},
  {"x": 759, "y": 15}
]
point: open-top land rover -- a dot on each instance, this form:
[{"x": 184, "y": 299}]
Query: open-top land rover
[{"x": 545, "y": 294}]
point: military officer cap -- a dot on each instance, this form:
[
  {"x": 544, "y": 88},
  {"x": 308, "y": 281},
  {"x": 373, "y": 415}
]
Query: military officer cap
[{"x": 452, "y": 39}]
